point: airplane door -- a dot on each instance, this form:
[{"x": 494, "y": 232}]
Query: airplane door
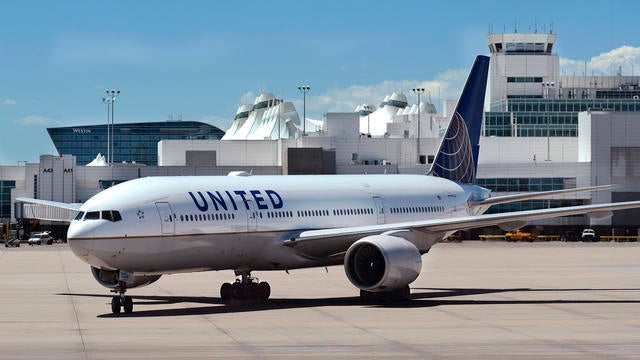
[
  {"x": 166, "y": 217},
  {"x": 252, "y": 216},
  {"x": 379, "y": 209}
]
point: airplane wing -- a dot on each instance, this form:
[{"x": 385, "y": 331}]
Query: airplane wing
[
  {"x": 535, "y": 195},
  {"x": 328, "y": 243}
]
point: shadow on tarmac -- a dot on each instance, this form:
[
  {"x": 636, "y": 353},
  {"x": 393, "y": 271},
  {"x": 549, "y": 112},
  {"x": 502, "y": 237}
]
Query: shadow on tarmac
[{"x": 421, "y": 297}]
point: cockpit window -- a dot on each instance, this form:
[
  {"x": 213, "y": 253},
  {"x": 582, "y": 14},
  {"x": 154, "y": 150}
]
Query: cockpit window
[
  {"x": 79, "y": 215},
  {"x": 106, "y": 215},
  {"x": 111, "y": 215},
  {"x": 92, "y": 215}
]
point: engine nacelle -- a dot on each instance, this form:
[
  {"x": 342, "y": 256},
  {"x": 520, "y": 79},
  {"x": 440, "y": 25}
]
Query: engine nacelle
[
  {"x": 109, "y": 278},
  {"x": 382, "y": 263}
]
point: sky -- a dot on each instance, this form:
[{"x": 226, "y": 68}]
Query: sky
[{"x": 200, "y": 60}]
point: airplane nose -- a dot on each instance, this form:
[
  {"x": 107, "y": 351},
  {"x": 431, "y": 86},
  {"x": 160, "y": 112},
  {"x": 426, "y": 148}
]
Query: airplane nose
[{"x": 78, "y": 238}]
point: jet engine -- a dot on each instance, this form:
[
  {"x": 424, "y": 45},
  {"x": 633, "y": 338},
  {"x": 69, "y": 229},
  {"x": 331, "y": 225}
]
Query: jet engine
[
  {"x": 109, "y": 278},
  {"x": 382, "y": 263}
]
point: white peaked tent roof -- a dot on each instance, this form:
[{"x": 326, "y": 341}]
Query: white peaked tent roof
[
  {"x": 267, "y": 118},
  {"x": 98, "y": 161},
  {"x": 376, "y": 122}
]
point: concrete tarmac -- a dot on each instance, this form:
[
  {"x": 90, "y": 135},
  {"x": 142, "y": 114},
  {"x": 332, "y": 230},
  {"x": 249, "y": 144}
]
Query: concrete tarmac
[{"x": 472, "y": 300}]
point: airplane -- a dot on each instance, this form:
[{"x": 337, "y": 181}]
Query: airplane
[{"x": 377, "y": 226}]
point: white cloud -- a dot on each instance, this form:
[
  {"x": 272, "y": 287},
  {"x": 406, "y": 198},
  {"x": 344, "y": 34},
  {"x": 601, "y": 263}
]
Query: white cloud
[
  {"x": 8, "y": 101},
  {"x": 248, "y": 98},
  {"x": 446, "y": 86},
  {"x": 36, "y": 120},
  {"x": 627, "y": 57}
]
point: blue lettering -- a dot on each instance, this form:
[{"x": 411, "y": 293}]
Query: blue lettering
[
  {"x": 242, "y": 194},
  {"x": 259, "y": 199},
  {"x": 204, "y": 207},
  {"x": 217, "y": 200},
  {"x": 275, "y": 198},
  {"x": 235, "y": 207}
]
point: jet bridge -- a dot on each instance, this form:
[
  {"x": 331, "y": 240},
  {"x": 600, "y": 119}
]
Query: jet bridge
[{"x": 43, "y": 211}]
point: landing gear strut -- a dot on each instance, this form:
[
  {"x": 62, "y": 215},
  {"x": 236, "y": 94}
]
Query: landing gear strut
[
  {"x": 245, "y": 288},
  {"x": 120, "y": 301}
]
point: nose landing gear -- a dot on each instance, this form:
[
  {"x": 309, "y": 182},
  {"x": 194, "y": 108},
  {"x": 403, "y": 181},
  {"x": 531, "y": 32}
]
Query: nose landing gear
[
  {"x": 246, "y": 288},
  {"x": 120, "y": 301}
]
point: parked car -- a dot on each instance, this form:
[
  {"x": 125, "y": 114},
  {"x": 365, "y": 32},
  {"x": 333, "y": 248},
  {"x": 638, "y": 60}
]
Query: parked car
[
  {"x": 38, "y": 238},
  {"x": 588, "y": 235}
]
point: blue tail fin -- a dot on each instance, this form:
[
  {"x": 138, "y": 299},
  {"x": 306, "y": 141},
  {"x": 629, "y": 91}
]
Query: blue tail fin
[{"x": 457, "y": 157}]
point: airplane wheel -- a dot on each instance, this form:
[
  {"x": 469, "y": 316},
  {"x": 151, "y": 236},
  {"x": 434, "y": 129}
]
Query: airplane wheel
[
  {"x": 264, "y": 290},
  {"x": 115, "y": 305},
  {"x": 127, "y": 304},
  {"x": 366, "y": 296},
  {"x": 226, "y": 292},
  {"x": 404, "y": 294}
]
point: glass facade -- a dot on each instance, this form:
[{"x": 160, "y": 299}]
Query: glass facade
[
  {"x": 524, "y": 184},
  {"x": 132, "y": 142},
  {"x": 528, "y": 185},
  {"x": 565, "y": 105},
  {"x": 533, "y": 205},
  {"x": 527, "y": 79},
  {"x": 537, "y": 117},
  {"x": 5, "y": 198},
  {"x": 531, "y": 124}
]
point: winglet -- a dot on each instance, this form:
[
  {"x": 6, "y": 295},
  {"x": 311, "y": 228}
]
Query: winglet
[{"x": 457, "y": 157}]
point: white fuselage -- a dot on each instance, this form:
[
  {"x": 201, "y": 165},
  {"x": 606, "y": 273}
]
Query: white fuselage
[{"x": 179, "y": 224}]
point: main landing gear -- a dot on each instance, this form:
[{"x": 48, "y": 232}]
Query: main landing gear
[
  {"x": 245, "y": 288},
  {"x": 120, "y": 301}
]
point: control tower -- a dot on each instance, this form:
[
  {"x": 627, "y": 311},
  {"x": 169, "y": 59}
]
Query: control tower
[{"x": 521, "y": 64}]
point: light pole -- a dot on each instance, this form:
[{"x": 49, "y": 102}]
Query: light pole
[
  {"x": 546, "y": 86},
  {"x": 419, "y": 92},
  {"x": 111, "y": 99},
  {"x": 280, "y": 101},
  {"x": 368, "y": 109},
  {"x": 304, "y": 89},
  {"x": 107, "y": 100}
]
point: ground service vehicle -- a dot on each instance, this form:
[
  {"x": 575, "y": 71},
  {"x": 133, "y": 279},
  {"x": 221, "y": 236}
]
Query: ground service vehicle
[
  {"x": 588, "y": 235},
  {"x": 520, "y": 236}
]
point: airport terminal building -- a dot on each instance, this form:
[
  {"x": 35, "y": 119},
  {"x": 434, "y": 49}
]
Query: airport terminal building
[
  {"x": 132, "y": 142},
  {"x": 543, "y": 131}
]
